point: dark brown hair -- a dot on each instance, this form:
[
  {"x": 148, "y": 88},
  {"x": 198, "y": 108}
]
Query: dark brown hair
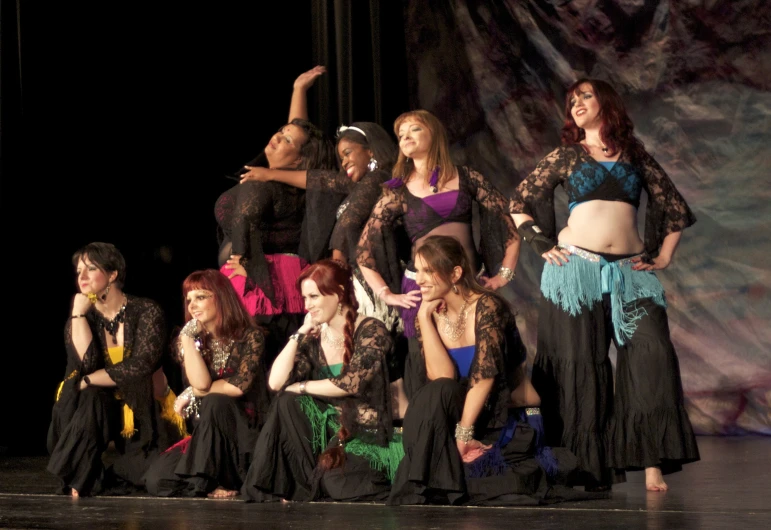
[
  {"x": 617, "y": 130},
  {"x": 106, "y": 257}
]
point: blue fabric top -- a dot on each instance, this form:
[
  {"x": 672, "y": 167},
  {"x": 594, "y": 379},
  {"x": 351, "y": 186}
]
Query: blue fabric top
[
  {"x": 463, "y": 357},
  {"x": 605, "y": 181}
]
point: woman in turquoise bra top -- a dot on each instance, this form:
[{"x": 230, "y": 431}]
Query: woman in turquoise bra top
[{"x": 598, "y": 285}]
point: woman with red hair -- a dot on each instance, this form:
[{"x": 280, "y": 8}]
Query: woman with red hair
[
  {"x": 329, "y": 432},
  {"x": 221, "y": 353},
  {"x": 598, "y": 285}
]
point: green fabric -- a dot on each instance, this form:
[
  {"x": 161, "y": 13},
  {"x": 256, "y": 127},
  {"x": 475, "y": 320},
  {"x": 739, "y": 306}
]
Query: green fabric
[
  {"x": 384, "y": 459},
  {"x": 333, "y": 370}
]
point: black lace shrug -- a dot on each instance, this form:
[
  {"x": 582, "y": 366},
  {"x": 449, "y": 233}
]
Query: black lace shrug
[
  {"x": 366, "y": 413},
  {"x": 144, "y": 342},
  {"x": 497, "y": 229},
  {"x": 499, "y": 352},
  {"x": 244, "y": 370},
  {"x": 260, "y": 218},
  {"x": 666, "y": 211}
]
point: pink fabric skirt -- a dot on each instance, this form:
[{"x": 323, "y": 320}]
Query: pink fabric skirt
[{"x": 284, "y": 270}]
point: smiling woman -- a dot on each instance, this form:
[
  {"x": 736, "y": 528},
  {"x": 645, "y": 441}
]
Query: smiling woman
[
  {"x": 332, "y": 418},
  {"x": 598, "y": 285},
  {"x": 222, "y": 355}
]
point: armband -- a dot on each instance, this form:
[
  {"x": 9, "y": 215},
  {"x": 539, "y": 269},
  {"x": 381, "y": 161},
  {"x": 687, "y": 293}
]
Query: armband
[{"x": 530, "y": 233}]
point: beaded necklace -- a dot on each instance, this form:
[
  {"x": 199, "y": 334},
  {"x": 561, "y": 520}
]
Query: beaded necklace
[
  {"x": 111, "y": 326},
  {"x": 454, "y": 330}
]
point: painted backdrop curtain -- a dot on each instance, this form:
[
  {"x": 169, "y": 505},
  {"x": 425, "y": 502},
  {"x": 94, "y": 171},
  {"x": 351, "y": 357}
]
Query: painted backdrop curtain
[{"x": 695, "y": 77}]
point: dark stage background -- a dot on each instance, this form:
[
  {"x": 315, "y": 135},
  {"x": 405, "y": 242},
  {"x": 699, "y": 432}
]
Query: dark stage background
[{"x": 120, "y": 122}]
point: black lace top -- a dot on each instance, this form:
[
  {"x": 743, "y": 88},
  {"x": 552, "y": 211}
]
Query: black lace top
[
  {"x": 666, "y": 211},
  {"x": 144, "y": 343},
  {"x": 260, "y": 218},
  {"x": 497, "y": 229},
  {"x": 366, "y": 413},
  {"x": 499, "y": 351},
  {"x": 243, "y": 369}
]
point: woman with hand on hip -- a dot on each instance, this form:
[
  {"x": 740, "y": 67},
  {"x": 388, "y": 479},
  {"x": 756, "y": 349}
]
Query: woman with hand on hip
[
  {"x": 221, "y": 352},
  {"x": 598, "y": 285}
]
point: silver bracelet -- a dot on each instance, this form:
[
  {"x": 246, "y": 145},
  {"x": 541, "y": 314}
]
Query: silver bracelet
[
  {"x": 302, "y": 387},
  {"x": 464, "y": 434},
  {"x": 380, "y": 291},
  {"x": 506, "y": 273}
]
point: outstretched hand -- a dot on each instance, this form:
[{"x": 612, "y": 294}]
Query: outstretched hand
[
  {"x": 406, "y": 300},
  {"x": 472, "y": 450},
  {"x": 556, "y": 256},
  {"x": 305, "y": 80},
  {"x": 255, "y": 174}
]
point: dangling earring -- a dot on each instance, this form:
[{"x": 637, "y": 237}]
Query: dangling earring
[
  {"x": 454, "y": 288},
  {"x": 339, "y": 308},
  {"x": 372, "y": 166},
  {"x": 106, "y": 292}
]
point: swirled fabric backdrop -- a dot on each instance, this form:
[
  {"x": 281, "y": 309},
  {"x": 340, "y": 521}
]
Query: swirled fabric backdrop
[{"x": 695, "y": 76}]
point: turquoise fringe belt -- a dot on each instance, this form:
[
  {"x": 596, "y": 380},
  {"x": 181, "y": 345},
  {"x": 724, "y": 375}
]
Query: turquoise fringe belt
[{"x": 582, "y": 282}]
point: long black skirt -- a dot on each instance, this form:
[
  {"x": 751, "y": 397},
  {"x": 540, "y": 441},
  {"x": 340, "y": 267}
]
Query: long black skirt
[
  {"x": 78, "y": 441},
  {"x": 433, "y": 472},
  {"x": 217, "y": 454},
  {"x": 643, "y": 423},
  {"x": 284, "y": 465}
]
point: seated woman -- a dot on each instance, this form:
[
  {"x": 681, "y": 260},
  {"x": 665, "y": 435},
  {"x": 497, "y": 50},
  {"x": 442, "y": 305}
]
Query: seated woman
[
  {"x": 328, "y": 434},
  {"x": 464, "y": 442},
  {"x": 221, "y": 353},
  {"x": 260, "y": 226},
  {"x": 113, "y": 388}
]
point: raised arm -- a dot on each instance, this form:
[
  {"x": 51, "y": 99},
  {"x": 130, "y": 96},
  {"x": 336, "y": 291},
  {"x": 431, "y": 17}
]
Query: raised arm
[{"x": 298, "y": 108}]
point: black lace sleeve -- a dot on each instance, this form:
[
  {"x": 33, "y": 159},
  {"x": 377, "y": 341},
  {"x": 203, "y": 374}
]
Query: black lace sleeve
[
  {"x": 498, "y": 353},
  {"x": 329, "y": 180},
  {"x": 92, "y": 360},
  {"x": 667, "y": 211},
  {"x": 372, "y": 249},
  {"x": 144, "y": 339},
  {"x": 367, "y": 412},
  {"x": 253, "y": 203},
  {"x": 303, "y": 365},
  {"x": 354, "y": 212},
  {"x": 534, "y": 196},
  {"x": 497, "y": 228},
  {"x": 326, "y": 190},
  {"x": 246, "y": 361}
]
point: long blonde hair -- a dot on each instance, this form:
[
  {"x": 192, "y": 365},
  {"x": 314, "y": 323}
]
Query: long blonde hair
[{"x": 438, "y": 154}]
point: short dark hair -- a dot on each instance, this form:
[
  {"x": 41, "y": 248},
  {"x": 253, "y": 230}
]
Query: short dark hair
[{"x": 106, "y": 257}]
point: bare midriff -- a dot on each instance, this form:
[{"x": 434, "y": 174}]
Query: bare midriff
[
  {"x": 603, "y": 226},
  {"x": 461, "y": 232}
]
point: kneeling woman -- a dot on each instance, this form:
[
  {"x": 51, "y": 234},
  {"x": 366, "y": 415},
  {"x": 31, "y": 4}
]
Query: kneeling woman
[
  {"x": 328, "y": 434},
  {"x": 464, "y": 440},
  {"x": 221, "y": 353}
]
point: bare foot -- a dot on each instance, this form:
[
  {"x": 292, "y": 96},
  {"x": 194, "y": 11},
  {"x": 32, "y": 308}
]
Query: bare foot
[
  {"x": 654, "y": 480},
  {"x": 222, "y": 493},
  {"x": 284, "y": 501},
  {"x": 74, "y": 493}
]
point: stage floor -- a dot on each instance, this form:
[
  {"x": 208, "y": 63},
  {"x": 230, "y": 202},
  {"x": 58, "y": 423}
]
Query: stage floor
[{"x": 729, "y": 488}]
